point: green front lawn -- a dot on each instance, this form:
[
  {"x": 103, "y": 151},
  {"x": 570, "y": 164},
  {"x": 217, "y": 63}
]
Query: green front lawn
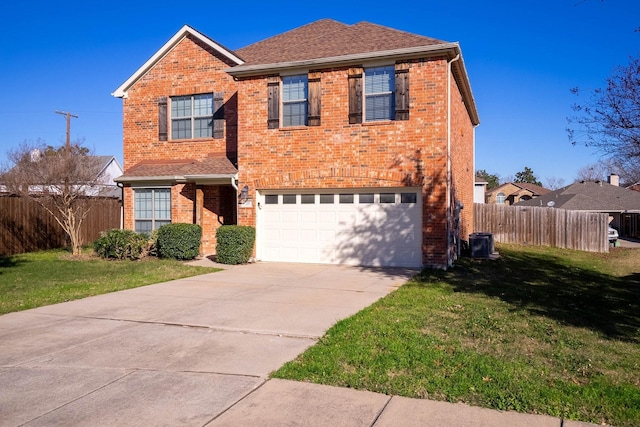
[
  {"x": 49, "y": 277},
  {"x": 540, "y": 330}
]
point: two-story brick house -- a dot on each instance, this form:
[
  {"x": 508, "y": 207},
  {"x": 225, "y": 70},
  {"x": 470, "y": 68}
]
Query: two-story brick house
[{"x": 340, "y": 143}]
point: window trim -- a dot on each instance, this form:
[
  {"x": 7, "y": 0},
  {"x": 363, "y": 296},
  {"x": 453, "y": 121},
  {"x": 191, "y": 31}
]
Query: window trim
[
  {"x": 192, "y": 117},
  {"x": 275, "y": 99},
  {"x": 153, "y": 218},
  {"x": 298, "y": 101},
  {"x": 165, "y": 117},
  {"x": 390, "y": 114},
  {"x": 357, "y": 97}
]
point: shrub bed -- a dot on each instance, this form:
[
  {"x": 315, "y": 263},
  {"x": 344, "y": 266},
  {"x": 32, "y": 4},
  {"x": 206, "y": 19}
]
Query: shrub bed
[{"x": 121, "y": 244}]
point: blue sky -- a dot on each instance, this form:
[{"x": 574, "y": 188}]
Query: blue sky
[{"x": 522, "y": 59}]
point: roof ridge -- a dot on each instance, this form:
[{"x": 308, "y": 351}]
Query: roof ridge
[
  {"x": 387, "y": 28},
  {"x": 288, "y": 32}
]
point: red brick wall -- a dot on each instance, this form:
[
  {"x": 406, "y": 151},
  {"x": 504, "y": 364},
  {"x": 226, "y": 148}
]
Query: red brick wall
[
  {"x": 189, "y": 68},
  {"x": 339, "y": 154},
  {"x": 462, "y": 161}
]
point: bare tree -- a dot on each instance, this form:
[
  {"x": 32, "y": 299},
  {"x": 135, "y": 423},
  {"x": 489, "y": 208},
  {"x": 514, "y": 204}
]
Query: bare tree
[
  {"x": 610, "y": 119},
  {"x": 553, "y": 183},
  {"x": 593, "y": 172},
  {"x": 507, "y": 179},
  {"x": 61, "y": 180},
  {"x": 626, "y": 168}
]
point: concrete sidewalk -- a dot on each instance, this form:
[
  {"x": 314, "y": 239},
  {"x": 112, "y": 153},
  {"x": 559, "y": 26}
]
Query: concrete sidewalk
[{"x": 198, "y": 351}]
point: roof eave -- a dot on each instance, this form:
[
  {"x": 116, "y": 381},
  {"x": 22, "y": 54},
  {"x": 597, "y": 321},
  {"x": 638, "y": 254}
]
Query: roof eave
[
  {"x": 343, "y": 60},
  {"x": 218, "y": 178},
  {"x": 121, "y": 92}
]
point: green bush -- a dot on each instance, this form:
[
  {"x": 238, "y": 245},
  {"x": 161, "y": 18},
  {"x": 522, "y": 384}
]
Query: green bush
[
  {"x": 179, "y": 241},
  {"x": 121, "y": 244},
  {"x": 234, "y": 244}
]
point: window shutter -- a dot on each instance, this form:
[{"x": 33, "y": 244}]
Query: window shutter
[
  {"x": 162, "y": 119},
  {"x": 355, "y": 95},
  {"x": 314, "y": 98},
  {"x": 273, "y": 94},
  {"x": 402, "y": 91},
  {"x": 218, "y": 115}
]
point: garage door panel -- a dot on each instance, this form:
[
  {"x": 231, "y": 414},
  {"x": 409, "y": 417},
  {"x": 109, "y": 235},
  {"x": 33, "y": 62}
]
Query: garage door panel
[
  {"x": 308, "y": 235},
  {"x": 325, "y": 217},
  {"x": 355, "y": 233},
  {"x": 327, "y": 236},
  {"x": 289, "y": 216},
  {"x": 308, "y": 217}
]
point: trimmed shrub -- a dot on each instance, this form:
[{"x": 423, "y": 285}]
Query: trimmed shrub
[
  {"x": 234, "y": 244},
  {"x": 121, "y": 244},
  {"x": 179, "y": 241}
]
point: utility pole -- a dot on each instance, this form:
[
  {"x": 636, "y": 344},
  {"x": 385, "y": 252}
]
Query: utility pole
[{"x": 68, "y": 116}]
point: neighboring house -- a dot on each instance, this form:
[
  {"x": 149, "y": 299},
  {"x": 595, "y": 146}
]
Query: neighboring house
[
  {"x": 514, "y": 192},
  {"x": 479, "y": 190},
  {"x": 622, "y": 204},
  {"x": 634, "y": 187},
  {"x": 107, "y": 169},
  {"x": 340, "y": 143}
]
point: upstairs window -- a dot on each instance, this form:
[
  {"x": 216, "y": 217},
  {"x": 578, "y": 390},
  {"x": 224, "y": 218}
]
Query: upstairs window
[
  {"x": 295, "y": 91},
  {"x": 379, "y": 86},
  {"x": 379, "y": 93},
  {"x": 293, "y": 100},
  {"x": 192, "y": 117},
  {"x": 500, "y": 198}
]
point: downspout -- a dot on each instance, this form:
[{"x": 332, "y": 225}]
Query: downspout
[{"x": 448, "y": 197}]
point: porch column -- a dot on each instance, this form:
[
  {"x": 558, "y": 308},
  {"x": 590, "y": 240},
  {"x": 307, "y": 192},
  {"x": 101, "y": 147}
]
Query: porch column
[{"x": 198, "y": 207}]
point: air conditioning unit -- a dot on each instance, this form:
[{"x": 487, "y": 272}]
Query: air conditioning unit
[{"x": 481, "y": 245}]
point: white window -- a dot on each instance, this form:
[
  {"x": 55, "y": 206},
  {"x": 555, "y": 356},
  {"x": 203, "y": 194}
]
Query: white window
[
  {"x": 379, "y": 87},
  {"x": 295, "y": 91},
  {"x": 500, "y": 198},
  {"x": 152, "y": 208},
  {"x": 192, "y": 116}
]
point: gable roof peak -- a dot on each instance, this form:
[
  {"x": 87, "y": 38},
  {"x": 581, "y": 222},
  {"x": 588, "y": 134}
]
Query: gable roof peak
[{"x": 186, "y": 30}]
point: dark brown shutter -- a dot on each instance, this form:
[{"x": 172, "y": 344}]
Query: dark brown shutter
[
  {"x": 355, "y": 95},
  {"x": 218, "y": 115},
  {"x": 162, "y": 119},
  {"x": 273, "y": 107},
  {"x": 402, "y": 91},
  {"x": 314, "y": 98}
]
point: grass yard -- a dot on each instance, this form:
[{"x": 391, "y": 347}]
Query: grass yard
[
  {"x": 49, "y": 277},
  {"x": 541, "y": 330}
]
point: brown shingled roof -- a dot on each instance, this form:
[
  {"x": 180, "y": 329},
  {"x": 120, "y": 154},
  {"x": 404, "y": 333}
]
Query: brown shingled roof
[
  {"x": 591, "y": 196},
  {"x": 327, "y": 38},
  {"x": 167, "y": 169}
]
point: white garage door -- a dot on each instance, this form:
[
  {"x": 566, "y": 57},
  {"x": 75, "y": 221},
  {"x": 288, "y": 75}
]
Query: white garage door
[{"x": 364, "y": 227}]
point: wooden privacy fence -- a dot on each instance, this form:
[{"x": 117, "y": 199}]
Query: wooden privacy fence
[
  {"x": 26, "y": 227},
  {"x": 543, "y": 226}
]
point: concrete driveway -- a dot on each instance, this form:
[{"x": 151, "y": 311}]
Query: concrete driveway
[
  {"x": 628, "y": 242},
  {"x": 175, "y": 353}
]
